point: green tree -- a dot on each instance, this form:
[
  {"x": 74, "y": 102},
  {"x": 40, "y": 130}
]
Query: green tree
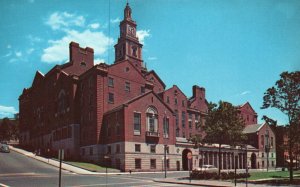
[
  {"x": 285, "y": 96},
  {"x": 5, "y": 131},
  {"x": 224, "y": 125}
]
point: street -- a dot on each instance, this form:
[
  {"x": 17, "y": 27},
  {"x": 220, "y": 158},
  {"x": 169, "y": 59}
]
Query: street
[{"x": 19, "y": 170}]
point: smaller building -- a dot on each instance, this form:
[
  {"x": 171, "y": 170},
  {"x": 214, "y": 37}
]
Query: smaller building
[{"x": 261, "y": 137}]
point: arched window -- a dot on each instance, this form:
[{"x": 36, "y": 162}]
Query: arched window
[
  {"x": 62, "y": 101},
  {"x": 152, "y": 125}
]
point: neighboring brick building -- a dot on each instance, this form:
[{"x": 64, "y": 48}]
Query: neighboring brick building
[
  {"x": 119, "y": 114},
  {"x": 262, "y": 137},
  {"x": 247, "y": 113}
]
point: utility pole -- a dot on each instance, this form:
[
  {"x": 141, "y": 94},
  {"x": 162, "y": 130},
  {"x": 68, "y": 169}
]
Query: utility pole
[
  {"x": 165, "y": 159},
  {"x": 60, "y": 157}
]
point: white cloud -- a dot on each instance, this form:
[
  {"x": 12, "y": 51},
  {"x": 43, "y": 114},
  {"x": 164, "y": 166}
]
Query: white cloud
[
  {"x": 116, "y": 20},
  {"x": 152, "y": 58},
  {"x": 58, "y": 50},
  {"x": 34, "y": 39},
  {"x": 29, "y": 51},
  {"x": 18, "y": 54},
  {"x": 142, "y": 34},
  {"x": 7, "y": 111},
  {"x": 94, "y": 25},
  {"x": 63, "y": 20},
  {"x": 99, "y": 61},
  {"x": 8, "y": 46},
  {"x": 8, "y": 54},
  {"x": 245, "y": 93}
]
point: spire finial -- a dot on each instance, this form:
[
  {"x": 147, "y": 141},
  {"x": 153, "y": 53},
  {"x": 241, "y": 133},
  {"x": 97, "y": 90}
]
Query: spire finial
[{"x": 127, "y": 12}]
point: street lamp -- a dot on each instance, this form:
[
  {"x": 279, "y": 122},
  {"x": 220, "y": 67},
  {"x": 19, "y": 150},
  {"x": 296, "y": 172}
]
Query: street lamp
[
  {"x": 165, "y": 159},
  {"x": 106, "y": 157},
  {"x": 235, "y": 162},
  {"x": 267, "y": 148},
  {"x": 246, "y": 163}
]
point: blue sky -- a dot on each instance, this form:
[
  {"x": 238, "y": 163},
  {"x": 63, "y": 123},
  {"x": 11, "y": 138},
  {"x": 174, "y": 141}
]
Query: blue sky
[{"x": 236, "y": 49}]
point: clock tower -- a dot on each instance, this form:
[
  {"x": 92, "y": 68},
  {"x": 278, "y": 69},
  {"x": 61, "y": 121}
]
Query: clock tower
[{"x": 128, "y": 46}]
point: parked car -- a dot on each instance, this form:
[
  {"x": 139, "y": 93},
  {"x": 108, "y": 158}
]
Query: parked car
[
  {"x": 207, "y": 168},
  {"x": 4, "y": 148}
]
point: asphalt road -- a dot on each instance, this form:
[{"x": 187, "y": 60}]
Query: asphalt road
[{"x": 18, "y": 170}]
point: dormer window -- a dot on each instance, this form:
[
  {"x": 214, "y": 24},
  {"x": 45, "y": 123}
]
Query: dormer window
[
  {"x": 134, "y": 49},
  {"x": 83, "y": 64}
]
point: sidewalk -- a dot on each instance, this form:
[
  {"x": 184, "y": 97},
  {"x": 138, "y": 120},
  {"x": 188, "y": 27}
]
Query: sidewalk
[
  {"x": 205, "y": 182},
  {"x": 55, "y": 162}
]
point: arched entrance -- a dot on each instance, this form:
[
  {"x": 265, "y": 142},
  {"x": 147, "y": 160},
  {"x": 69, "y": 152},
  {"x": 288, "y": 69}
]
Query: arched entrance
[
  {"x": 253, "y": 161},
  {"x": 185, "y": 160}
]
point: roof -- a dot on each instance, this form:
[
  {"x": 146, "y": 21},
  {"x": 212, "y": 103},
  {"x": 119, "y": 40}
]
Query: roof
[
  {"x": 252, "y": 128},
  {"x": 158, "y": 78},
  {"x": 135, "y": 99}
]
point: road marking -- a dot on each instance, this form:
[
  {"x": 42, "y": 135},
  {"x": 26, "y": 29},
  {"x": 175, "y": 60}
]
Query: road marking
[
  {"x": 16, "y": 174},
  {"x": 3, "y": 185},
  {"x": 109, "y": 184}
]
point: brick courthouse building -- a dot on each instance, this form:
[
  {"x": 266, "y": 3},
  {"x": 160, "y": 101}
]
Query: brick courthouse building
[{"x": 122, "y": 111}]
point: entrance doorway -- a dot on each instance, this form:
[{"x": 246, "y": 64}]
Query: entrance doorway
[
  {"x": 253, "y": 161},
  {"x": 185, "y": 162}
]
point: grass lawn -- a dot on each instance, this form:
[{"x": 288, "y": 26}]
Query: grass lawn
[
  {"x": 91, "y": 167},
  {"x": 272, "y": 174}
]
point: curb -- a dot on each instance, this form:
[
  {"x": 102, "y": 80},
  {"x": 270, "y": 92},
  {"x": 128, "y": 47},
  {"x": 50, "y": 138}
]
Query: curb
[{"x": 190, "y": 183}]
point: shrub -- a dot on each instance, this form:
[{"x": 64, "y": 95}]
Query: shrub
[{"x": 214, "y": 175}]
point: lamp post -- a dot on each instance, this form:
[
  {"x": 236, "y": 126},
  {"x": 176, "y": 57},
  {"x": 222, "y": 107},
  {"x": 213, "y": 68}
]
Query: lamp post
[
  {"x": 267, "y": 148},
  {"x": 165, "y": 159},
  {"x": 235, "y": 161},
  {"x": 106, "y": 157},
  {"x": 246, "y": 162}
]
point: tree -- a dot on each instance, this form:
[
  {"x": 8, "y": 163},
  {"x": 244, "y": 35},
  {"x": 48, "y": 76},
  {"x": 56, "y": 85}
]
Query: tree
[
  {"x": 285, "y": 96},
  {"x": 223, "y": 125},
  {"x": 5, "y": 131}
]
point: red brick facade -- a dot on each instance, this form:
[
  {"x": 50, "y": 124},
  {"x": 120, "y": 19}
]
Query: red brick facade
[
  {"x": 248, "y": 114},
  {"x": 120, "y": 111},
  {"x": 87, "y": 108}
]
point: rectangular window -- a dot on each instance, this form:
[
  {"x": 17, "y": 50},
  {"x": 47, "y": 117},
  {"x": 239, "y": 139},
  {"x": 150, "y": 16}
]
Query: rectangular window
[
  {"x": 118, "y": 131},
  {"x": 138, "y": 164},
  {"x": 118, "y": 148},
  {"x": 175, "y": 101},
  {"x": 176, "y": 118},
  {"x": 272, "y": 141},
  {"x": 91, "y": 150},
  {"x": 118, "y": 163},
  {"x": 168, "y": 99},
  {"x": 166, "y": 127},
  {"x": 190, "y": 125},
  {"x": 111, "y": 98},
  {"x": 152, "y": 148},
  {"x": 152, "y": 163},
  {"x": 137, "y": 123},
  {"x": 272, "y": 163},
  {"x": 263, "y": 164},
  {"x": 262, "y": 140},
  {"x": 137, "y": 147},
  {"x": 142, "y": 89},
  {"x": 168, "y": 163},
  {"x": 108, "y": 149},
  {"x": 110, "y": 82},
  {"x": 127, "y": 86},
  {"x": 183, "y": 119},
  {"x": 183, "y": 134},
  {"x": 177, "y": 132},
  {"x": 262, "y": 154},
  {"x": 183, "y": 104}
]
